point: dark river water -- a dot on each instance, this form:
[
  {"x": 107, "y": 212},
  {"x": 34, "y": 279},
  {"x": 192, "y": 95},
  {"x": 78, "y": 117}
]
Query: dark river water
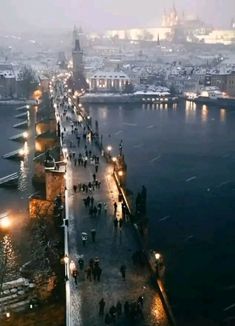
[{"x": 185, "y": 156}]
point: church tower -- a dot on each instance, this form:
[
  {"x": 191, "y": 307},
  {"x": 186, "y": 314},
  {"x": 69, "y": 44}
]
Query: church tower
[
  {"x": 77, "y": 59},
  {"x": 78, "y": 78}
]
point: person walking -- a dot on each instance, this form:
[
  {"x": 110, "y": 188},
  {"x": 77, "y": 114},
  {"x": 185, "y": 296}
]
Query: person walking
[
  {"x": 119, "y": 308},
  {"x": 101, "y": 307},
  {"x": 107, "y": 319},
  {"x": 126, "y": 308},
  {"x": 120, "y": 223},
  {"x": 98, "y": 273},
  {"x": 84, "y": 238},
  {"x": 81, "y": 262},
  {"x": 115, "y": 208},
  {"x": 112, "y": 312},
  {"x": 93, "y": 234},
  {"x": 115, "y": 223},
  {"x": 75, "y": 276},
  {"x": 105, "y": 208},
  {"x": 123, "y": 272},
  {"x": 140, "y": 301},
  {"x": 88, "y": 273},
  {"x": 99, "y": 207}
]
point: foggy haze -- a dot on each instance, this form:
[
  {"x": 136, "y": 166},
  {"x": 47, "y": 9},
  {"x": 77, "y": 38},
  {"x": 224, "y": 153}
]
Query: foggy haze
[{"x": 96, "y": 15}]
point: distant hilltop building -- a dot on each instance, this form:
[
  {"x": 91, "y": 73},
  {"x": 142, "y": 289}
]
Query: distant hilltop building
[
  {"x": 170, "y": 19},
  {"x": 178, "y": 27}
]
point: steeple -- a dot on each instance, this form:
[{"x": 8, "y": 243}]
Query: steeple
[
  {"x": 75, "y": 35},
  {"x": 158, "y": 39},
  {"x": 77, "y": 45}
]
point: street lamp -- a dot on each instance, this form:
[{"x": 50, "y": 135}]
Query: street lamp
[{"x": 109, "y": 148}]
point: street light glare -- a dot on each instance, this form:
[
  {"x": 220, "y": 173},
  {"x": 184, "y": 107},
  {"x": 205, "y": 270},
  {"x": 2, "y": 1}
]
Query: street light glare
[
  {"x": 109, "y": 148},
  {"x": 5, "y": 222},
  {"x": 66, "y": 259},
  {"x": 25, "y": 134},
  {"x": 157, "y": 255}
]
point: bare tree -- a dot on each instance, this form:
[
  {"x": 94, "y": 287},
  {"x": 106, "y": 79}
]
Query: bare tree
[{"x": 28, "y": 81}]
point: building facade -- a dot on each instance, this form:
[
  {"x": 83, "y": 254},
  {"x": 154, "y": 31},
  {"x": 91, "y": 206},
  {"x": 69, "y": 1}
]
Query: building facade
[
  {"x": 225, "y": 82},
  {"x": 108, "y": 81}
]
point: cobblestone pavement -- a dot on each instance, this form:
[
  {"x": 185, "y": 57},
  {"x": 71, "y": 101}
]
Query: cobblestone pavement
[{"x": 113, "y": 248}]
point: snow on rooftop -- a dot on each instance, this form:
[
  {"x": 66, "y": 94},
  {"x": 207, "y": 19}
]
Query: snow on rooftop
[{"x": 110, "y": 75}]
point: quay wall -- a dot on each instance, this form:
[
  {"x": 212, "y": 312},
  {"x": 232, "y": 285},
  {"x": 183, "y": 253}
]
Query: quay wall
[{"x": 123, "y": 98}]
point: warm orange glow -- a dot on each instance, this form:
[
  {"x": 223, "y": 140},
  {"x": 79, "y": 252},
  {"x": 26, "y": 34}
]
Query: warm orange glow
[
  {"x": 72, "y": 266},
  {"x": 5, "y": 222},
  {"x": 157, "y": 310},
  {"x": 66, "y": 259},
  {"x": 37, "y": 94},
  {"x": 120, "y": 173}
]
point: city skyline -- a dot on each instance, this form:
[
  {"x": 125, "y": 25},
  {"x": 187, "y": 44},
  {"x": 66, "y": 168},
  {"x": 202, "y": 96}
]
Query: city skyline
[{"x": 97, "y": 16}]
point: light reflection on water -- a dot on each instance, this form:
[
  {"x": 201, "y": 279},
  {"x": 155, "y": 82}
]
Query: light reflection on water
[{"x": 8, "y": 259}]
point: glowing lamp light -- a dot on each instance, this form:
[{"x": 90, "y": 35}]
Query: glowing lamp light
[
  {"x": 5, "y": 222},
  {"x": 109, "y": 148},
  {"x": 31, "y": 306},
  {"x": 66, "y": 259},
  {"x": 157, "y": 256},
  {"x": 8, "y": 315},
  {"x": 120, "y": 173},
  {"x": 21, "y": 152},
  {"x": 114, "y": 159},
  {"x": 25, "y": 135}
]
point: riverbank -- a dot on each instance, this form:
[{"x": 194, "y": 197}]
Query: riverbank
[
  {"x": 135, "y": 98},
  {"x": 217, "y": 102}
]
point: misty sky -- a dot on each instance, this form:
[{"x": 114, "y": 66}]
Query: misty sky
[{"x": 23, "y": 15}]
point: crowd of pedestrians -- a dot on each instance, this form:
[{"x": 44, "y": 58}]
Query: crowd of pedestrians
[
  {"x": 132, "y": 311},
  {"x": 81, "y": 154}
]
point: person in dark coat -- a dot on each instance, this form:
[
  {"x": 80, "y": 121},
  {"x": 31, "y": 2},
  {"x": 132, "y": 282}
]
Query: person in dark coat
[
  {"x": 115, "y": 223},
  {"x": 115, "y": 208},
  {"x": 120, "y": 223},
  {"x": 101, "y": 307},
  {"x": 98, "y": 272},
  {"x": 107, "y": 319},
  {"x": 126, "y": 308},
  {"x": 93, "y": 234},
  {"x": 112, "y": 312},
  {"x": 140, "y": 301},
  {"x": 75, "y": 276},
  {"x": 119, "y": 308},
  {"x": 123, "y": 272},
  {"x": 88, "y": 273}
]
